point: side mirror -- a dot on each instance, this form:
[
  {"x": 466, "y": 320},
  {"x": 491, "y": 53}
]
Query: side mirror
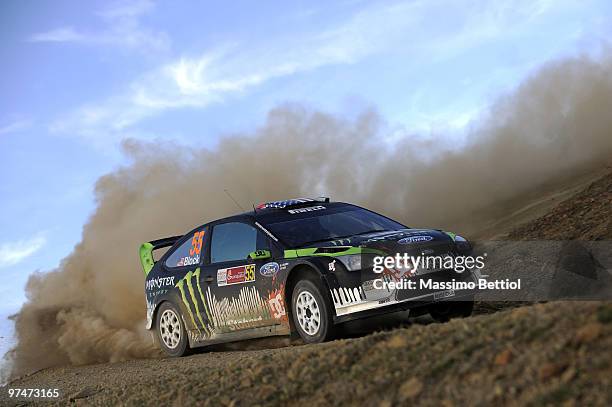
[{"x": 260, "y": 254}]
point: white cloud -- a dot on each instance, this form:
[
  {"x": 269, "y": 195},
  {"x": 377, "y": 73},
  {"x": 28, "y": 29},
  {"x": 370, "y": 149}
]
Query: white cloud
[
  {"x": 232, "y": 69},
  {"x": 64, "y": 34},
  {"x": 123, "y": 30},
  {"x": 12, "y": 253},
  {"x": 15, "y": 127}
]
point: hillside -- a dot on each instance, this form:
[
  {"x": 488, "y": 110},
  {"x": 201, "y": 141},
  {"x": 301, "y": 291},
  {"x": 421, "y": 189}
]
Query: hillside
[{"x": 585, "y": 216}]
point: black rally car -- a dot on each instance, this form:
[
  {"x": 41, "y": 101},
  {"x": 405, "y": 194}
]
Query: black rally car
[{"x": 295, "y": 266}]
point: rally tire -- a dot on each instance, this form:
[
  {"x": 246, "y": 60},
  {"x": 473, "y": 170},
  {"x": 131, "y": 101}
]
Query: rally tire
[
  {"x": 312, "y": 312},
  {"x": 447, "y": 310},
  {"x": 464, "y": 309},
  {"x": 171, "y": 332}
]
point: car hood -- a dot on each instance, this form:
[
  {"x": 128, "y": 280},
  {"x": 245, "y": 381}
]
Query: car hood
[{"x": 402, "y": 240}]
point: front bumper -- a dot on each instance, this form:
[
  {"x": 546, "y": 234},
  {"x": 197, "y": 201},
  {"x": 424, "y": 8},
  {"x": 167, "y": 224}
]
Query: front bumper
[{"x": 358, "y": 300}]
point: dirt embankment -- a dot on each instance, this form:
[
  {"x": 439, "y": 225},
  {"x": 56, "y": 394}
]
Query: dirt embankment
[
  {"x": 543, "y": 354},
  {"x": 585, "y": 216}
]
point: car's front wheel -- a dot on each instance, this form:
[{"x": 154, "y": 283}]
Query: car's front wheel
[
  {"x": 312, "y": 312},
  {"x": 446, "y": 310},
  {"x": 171, "y": 333}
]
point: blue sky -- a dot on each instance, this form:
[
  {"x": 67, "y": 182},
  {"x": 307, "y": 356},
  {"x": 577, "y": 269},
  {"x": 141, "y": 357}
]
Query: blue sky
[{"x": 78, "y": 77}]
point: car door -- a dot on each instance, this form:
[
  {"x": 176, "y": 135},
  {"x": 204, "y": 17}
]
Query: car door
[{"x": 236, "y": 292}]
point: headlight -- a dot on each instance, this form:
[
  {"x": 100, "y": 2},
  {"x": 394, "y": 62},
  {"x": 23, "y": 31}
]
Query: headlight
[{"x": 352, "y": 262}]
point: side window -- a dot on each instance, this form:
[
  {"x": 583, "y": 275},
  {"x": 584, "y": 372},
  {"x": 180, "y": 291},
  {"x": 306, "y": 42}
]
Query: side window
[
  {"x": 189, "y": 253},
  {"x": 235, "y": 241}
]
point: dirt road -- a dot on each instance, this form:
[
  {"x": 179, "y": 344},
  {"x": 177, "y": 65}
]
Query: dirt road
[{"x": 540, "y": 354}]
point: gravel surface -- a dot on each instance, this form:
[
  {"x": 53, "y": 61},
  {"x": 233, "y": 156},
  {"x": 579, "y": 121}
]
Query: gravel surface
[{"x": 542, "y": 354}]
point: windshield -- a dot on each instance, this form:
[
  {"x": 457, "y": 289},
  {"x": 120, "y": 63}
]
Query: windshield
[{"x": 330, "y": 224}]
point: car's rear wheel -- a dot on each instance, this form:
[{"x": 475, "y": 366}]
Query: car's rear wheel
[
  {"x": 312, "y": 312},
  {"x": 171, "y": 333},
  {"x": 446, "y": 310}
]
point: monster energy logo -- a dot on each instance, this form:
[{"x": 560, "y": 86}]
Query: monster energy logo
[{"x": 208, "y": 329}]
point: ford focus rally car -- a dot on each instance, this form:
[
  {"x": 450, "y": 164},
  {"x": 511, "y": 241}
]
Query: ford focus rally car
[{"x": 297, "y": 266}]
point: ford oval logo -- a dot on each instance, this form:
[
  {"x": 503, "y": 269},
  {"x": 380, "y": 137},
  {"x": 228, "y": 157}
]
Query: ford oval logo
[
  {"x": 415, "y": 239},
  {"x": 269, "y": 269}
]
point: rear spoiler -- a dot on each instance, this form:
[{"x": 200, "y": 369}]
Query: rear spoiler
[{"x": 146, "y": 251}]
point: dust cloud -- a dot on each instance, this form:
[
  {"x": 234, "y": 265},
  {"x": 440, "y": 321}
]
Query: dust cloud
[{"x": 91, "y": 308}]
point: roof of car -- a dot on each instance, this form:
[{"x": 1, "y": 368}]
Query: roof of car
[
  {"x": 268, "y": 211},
  {"x": 273, "y": 208}
]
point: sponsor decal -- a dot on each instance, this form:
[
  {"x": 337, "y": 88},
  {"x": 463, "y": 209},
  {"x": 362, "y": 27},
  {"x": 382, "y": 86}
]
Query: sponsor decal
[
  {"x": 248, "y": 310},
  {"x": 283, "y": 266},
  {"x": 236, "y": 275},
  {"x": 382, "y": 236},
  {"x": 376, "y": 294},
  {"x": 332, "y": 266},
  {"x": 250, "y": 272},
  {"x": 307, "y": 209},
  {"x": 187, "y": 290},
  {"x": 344, "y": 296},
  {"x": 150, "y": 308},
  {"x": 282, "y": 204},
  {"x": 275, "y": 302},
  {"x": 196, "y": 336},
  {"x": 188, "y": 261},
  {"x": 159, "y": 282},
  {"x": 444, "y": 294},
  {"x": 415, "y": 239},
  {"x": 269, "y": 269},
  {"x": 158, "y": 292},
  {"x": 340, "y": 242},
  {"x": 196, "y": 243},
  {"x": 194, "y": 251},
  {"x": 242, "y": 321}
]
